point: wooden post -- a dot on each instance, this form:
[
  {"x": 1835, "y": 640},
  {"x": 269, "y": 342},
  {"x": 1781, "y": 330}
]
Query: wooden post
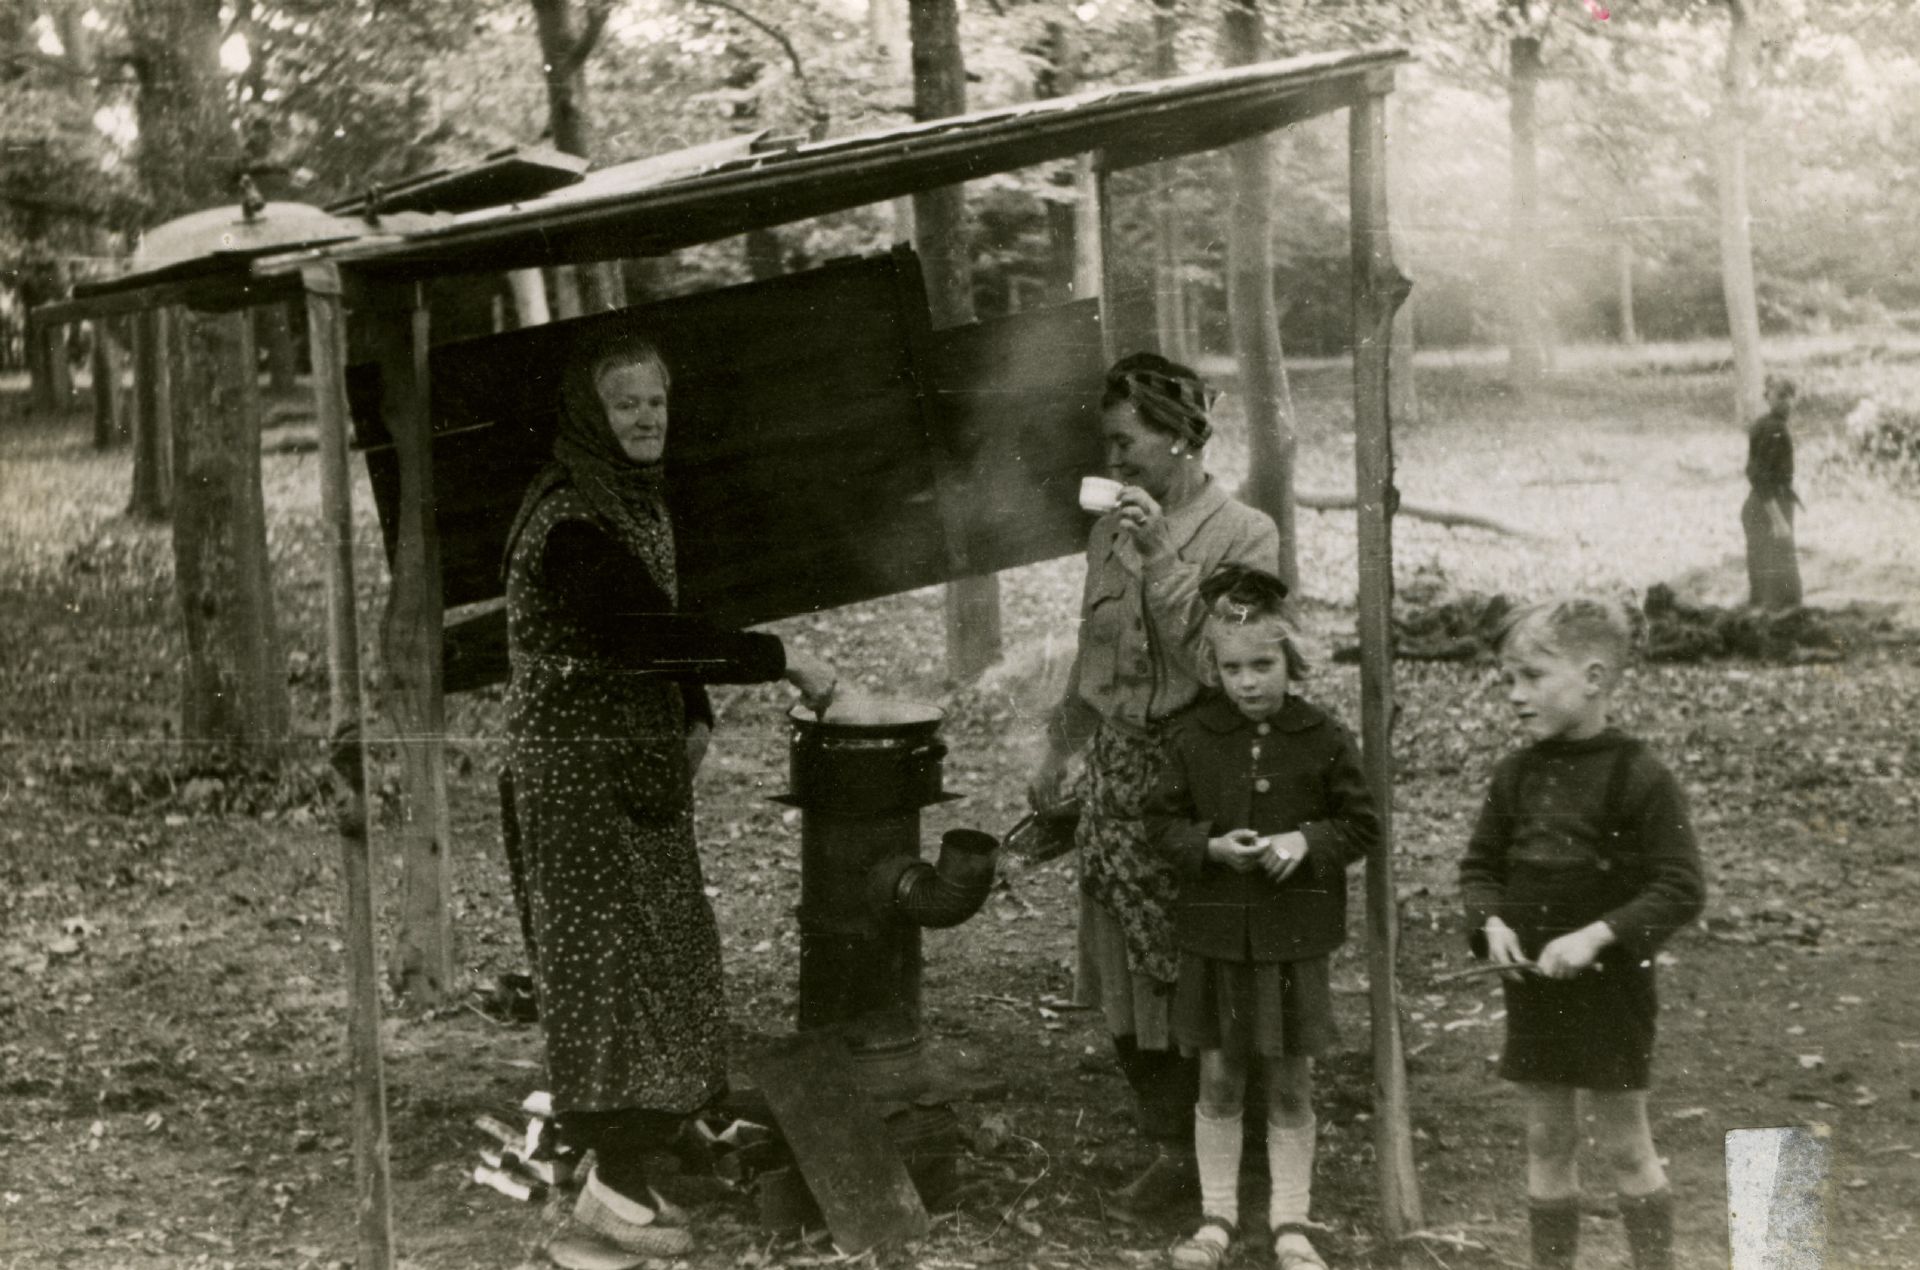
[
  {"x": 373, "y": 1186},
  {"x": 422, "y": 968},
  {"x": 1378, "y": 290},
  {"x": 152, "y": 497}
]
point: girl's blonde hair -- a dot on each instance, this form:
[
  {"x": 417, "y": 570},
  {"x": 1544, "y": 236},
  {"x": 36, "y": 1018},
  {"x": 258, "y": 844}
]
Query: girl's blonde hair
[{"x": 1238, "y": 595}]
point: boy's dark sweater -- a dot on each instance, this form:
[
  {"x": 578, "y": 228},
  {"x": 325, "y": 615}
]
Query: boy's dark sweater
[{"x": 1543, "y": 859}]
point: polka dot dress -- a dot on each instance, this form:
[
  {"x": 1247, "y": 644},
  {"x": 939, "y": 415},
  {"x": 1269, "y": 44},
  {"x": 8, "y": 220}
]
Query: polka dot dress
[{"x": 627, "y": 952}]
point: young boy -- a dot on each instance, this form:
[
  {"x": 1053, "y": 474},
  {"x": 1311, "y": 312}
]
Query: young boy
[{"x": 1582, "y": 864}]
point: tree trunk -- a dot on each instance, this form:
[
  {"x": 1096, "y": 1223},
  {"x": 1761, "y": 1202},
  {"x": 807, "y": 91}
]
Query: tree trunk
[
  {"x": 109, "y": 404},
  {"x": 939, "y": 218},
  {"x": 187, "y": 151},
  {"x": 565, "y": 46},
  {"x": 1264, "y": 391},
  {"x": 1403, "y": 384},
  {"x": 890, "y": 37},
  {"x": 235, "y": 689},
  {"x": 1060, "y": 78},
  {"x": 152, "y": 497},
  {"x": 1526, "y": 348},
  {"x": 764, "y": 259},
  {"x": 565, "y": 292},
  {"x": 1169, "y": 290},
  {"x": 1736, "y": 236},
  {"x": 276, "y": 331},
  {"x": 529, "y": 297},
  {"x": 1623, "y": 265}
]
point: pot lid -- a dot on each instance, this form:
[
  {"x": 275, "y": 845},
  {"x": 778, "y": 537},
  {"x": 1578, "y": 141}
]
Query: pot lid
[
  {"x": 233, "y": 230},
  {"x": 859, "y": 711}
]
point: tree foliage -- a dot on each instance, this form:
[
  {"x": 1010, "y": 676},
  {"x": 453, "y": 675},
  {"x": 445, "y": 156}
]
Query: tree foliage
[{"x": 340, "y": 94}]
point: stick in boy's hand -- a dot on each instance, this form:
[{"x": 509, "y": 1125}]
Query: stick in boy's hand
[{"x": 1486, "y": 968}]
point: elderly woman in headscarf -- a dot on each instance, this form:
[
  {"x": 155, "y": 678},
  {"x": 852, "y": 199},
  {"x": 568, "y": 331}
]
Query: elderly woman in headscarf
[
  {"x": 1137, "y": 666},
  {"x": 607, "y": 722}
]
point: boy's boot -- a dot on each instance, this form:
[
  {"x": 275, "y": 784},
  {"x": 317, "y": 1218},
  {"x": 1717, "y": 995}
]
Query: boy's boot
[
  {"x": 1165, "y": 1086},
  {"x": 1556, "y": 1232},
  {"x": 1649, "y": 1223}
]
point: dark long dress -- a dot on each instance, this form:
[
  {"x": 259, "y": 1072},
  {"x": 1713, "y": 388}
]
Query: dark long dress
[
  {"x": 1773, "y": 560},
  {"x": 626, "y": 950}
]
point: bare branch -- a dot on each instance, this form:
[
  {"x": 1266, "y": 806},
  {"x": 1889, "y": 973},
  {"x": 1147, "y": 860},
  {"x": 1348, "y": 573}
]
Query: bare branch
[
  {"x": 774, "y": 33},
  {"x": 589, "y": 36}
]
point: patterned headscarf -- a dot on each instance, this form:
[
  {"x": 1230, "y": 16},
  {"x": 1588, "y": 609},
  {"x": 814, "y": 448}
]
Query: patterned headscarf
[
  {"x": 1168, "y": 396},
  {"x": 628, "y": 499}
]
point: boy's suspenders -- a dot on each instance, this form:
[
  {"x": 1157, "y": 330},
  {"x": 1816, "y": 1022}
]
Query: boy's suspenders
[{"x": 1616, "y": 827}]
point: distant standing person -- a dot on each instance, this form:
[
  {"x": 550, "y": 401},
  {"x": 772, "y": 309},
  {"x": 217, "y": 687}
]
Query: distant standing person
[
  {"x": 607, "y": 722},
  {"x": 1581, "y": 866},
  {"x": 1773, "y": 562},
  {"x": 1137, "y": 666}
]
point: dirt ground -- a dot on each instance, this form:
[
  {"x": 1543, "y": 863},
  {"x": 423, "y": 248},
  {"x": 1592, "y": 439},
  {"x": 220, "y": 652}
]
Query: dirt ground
[{"x": 172, "y": 1070}]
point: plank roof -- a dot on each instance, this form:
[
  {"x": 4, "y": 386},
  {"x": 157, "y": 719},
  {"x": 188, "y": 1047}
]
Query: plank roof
[{"x": 666, "y": 202}]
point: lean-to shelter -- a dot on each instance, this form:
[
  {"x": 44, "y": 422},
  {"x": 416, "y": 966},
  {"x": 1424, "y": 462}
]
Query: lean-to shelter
[{"x": 963, "y": 441}]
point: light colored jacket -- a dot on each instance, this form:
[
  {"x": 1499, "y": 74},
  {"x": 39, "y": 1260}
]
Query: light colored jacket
[{"x": 1141, "y": 647}]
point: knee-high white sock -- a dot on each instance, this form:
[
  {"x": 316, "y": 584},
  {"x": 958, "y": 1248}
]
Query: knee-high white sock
[
  {"x": 1216, "y": 1149},
  {"x": 1290, "y": 1165}
]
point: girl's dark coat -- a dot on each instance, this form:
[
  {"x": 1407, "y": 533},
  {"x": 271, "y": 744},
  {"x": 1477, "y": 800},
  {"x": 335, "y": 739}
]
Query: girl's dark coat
[{"x": 1306, "y": 777}]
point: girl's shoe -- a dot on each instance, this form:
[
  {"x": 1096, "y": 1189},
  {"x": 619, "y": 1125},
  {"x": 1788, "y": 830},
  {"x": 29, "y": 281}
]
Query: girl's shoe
[
  {"x": 1292, "y": 1250},
  {"x": 1205, "y": 1248}
]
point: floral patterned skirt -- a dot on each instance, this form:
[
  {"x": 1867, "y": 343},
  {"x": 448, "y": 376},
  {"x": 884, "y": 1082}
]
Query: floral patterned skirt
[{"x": 1119, "y": 870}]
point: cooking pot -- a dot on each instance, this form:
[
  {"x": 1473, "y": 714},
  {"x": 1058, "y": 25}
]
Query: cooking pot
[{"x": 866, "y": 757}]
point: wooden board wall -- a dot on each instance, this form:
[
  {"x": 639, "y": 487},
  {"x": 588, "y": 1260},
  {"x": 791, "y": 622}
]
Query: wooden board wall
[{"x": 826, "y": 447}]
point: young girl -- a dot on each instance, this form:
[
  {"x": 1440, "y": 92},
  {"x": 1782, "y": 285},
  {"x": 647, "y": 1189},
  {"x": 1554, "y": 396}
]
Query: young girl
[
  {"x": 1581, "y": 865},
  {"x": 1261, "y": 809}
]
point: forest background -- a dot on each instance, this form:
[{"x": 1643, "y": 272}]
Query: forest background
[{"x": 328, "y": 98}]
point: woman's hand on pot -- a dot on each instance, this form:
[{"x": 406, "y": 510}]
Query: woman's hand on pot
[
  {"x": 1141, "y": 517},
  {"x": 698, "y": 736},
  {"x": 814, "y": 678}
]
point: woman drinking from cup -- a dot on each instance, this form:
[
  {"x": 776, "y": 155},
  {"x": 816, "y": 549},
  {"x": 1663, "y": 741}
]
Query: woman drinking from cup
[
  {"x": 607, "y": 722},
  {"x": 1167, "y": 526}
]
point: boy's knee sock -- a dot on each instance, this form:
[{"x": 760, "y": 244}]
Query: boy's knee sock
[
  {"x": 1290, "y": 1168},
  {"x": 1555, "y": 1227},
  {"x": 1216, "y": 1149},
  {"x": 1649, "y": 1223}
]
